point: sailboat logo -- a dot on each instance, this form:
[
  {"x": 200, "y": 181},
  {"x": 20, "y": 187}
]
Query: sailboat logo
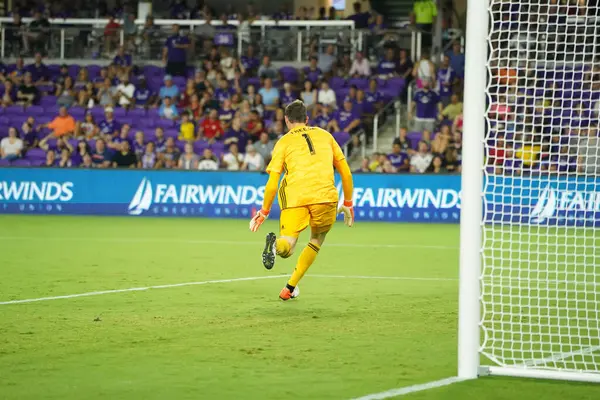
[
  {"x": 142, "y": 200},
  {"x": 545, "y": 207}
]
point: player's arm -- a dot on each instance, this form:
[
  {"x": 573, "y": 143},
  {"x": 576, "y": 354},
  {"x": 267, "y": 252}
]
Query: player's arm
[
  {"x": 274, "y": 169},
  {"x": 341, "y": 165}
]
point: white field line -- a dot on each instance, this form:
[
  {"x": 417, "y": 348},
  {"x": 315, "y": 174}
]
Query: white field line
[
  {"x": 223, "y": 242},
  {"x": 411, "y": 389},
  {"x": 250, "y": 278}
]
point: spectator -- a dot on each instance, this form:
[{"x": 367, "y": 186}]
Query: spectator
[
  {"x": 78, "y": 154},
  {"x": 174, "y": 53},
  {"x": 326, "y": 95},
  {"x": 457, "y": 60},
  {"x": 250, "y": 62},
  {"x": 27, "y": 94},
  {"x": 270, "y": 95},
  {"x": 451, "y": 160},
  {"x": 11, "y": 147},
  {"x": 160, "y": 142},
  {"x": 208, "y": 162},
  {"x": 227, "y": 64},
  {"x": 405, "y": 66},
  {"x": 364, "y": 166},
  {"x": 255, "y": 125},
  {"x": 187, "y": 131},
  {"x": 109, "y": 126},
  {"x": 423, "y": 16},
  {"x": 9, "y": 97},
  {"x": 236, "y": 134},
  {"x": 83, "y": 78},
  {"x": 529, "y": 152},
  {"x": 16, "y": 34},
  {"x": 200, "y": 82},
  {"x": 100, "y": 155},
  {"x": 65, "y": 93},
  {"x": 170, "y": 156},
  {"x": 18, "y": 74},
  {"x": 360, "y": 67},
  {"x": 223, "y": 92},
  {"x": 111, "y": 34},
  {"x": 427, "y": 105},
  {"x": 62, "y": 75},
  {"x": 424, "y": 70},
  {"x": 226, "y": 115},
  {"x": 168, "y": 89},
  {"x": 266, "y": 69},
  {"x": 188, "y": 92},
  {"x": 139, "y": 144},
  {"x": 50, "y": 159},
  {"x": 259, "y": 107},
  {"x": 440, "y": 143},
  {"x": 312, "y": 72},
  {"x": 264, "y": 147},
  {"x": 123, "y": 61},
  {"x": 65, "y": 159},
  {"x": 388, "y": 66},
  {"x": 378, "y": 27},
  {"x": 168, "y": 110},
  {"x": 360, "y": 18},
  {"x": 87, "y": 96},
  {"x": 403, "y": 142},
  {"x": 30, "y": 134},
  {"x": 234, "y": 159},
  {"x": 500, "y": 110},
  {"x": 61, "y": 143},
  {"x": 124, "y": 158},
  {"x": 373, "y": 97},
  {"x": 37, "y": 34},
  {"x": 114, "y": 143},
  {"x": 253, "y": 161},
  {"x": 436, "y": 166},
  {"x": 39, "y": 71},
  {"x": 325, "y": 119},
  {"x": 211, "y": 129},
  {"x": 309, "y": 95},
  {"x": 87, "y": 162},
  {"x": 142, "y": 95},
  {"x": 343, "y": 66},
  {"x": 421, "y": 160},
  {"x": 178, "y": 10},
  {"x": 454, "y": 109},
  {"x": 399, "y": 158},
  {"x": 106, "y": 93},
  {"x": 351, "y": 97},
  {"x": 125, "y": 92},
  {"x": 189, "y": 159},
  {"x": 149, "y": 158},
  {"x": 446, "y": 79},
  {"x": 287, "y": 96},
  {"x": 63, "y": 124},
  {"x": 347, "y": 119},
  {"x": 327, "y": 60}
]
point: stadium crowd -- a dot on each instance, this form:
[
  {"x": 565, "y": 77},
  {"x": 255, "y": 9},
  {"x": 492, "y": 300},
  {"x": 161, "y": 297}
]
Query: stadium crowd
[{"x": 228, "y": 112}]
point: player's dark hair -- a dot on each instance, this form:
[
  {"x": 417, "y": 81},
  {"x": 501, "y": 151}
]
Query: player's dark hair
[{"x": 296, "y": 112}]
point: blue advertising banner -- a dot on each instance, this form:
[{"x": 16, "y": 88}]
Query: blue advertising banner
[
  {"x": 545, "y": 200},
  {"x": 408, "y": 198}
]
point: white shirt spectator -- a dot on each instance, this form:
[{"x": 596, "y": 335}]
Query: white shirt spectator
[
  {"x": 254, "y": 162},
  {"x": 128, "y": 90},
  {"x": 327, "y": 97},
  {"x": 421, "y": 162},
  {"x": 208, "y": 165},
  {"x": 9, "y": 148},
  {"x": 361, "y": 68},
  {"x": 226, "y": 67},
  {"x": 233, "y": 162}
]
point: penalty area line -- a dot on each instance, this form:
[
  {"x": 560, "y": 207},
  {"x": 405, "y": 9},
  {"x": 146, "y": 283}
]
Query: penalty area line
[
  {"x": 174, "y": 285},
  {"x": 411, "y": 389}
]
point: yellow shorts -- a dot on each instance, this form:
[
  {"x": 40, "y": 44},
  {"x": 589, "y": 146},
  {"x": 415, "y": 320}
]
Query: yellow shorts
[{"x": 320, "y": 217}]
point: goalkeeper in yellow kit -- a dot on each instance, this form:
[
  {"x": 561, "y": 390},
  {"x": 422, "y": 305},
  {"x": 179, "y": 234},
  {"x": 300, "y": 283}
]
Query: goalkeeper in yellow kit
[{"x": 307, "y": 193}]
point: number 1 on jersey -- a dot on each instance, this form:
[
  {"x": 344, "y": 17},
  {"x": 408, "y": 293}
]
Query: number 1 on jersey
[{"x": 309, "y": 142}]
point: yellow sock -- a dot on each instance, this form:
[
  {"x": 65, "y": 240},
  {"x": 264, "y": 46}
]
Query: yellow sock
[
  {"x": 283, "y": 248},
  {"x": 307, "y": 257}
]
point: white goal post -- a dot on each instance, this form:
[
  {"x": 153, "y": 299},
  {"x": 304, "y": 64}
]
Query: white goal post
[{"x": 529, "y": 291}]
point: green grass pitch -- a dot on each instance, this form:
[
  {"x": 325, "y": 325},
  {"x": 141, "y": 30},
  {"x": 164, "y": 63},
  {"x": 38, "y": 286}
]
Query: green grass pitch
[{"x": 344, "y": 337}]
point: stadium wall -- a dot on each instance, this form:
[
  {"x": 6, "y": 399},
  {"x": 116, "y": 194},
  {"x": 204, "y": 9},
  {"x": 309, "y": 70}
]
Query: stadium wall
[{"x": 394, "y": 198}]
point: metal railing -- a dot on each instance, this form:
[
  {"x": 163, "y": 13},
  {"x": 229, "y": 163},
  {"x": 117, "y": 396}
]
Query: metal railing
[{"x": 393, "y": 103}]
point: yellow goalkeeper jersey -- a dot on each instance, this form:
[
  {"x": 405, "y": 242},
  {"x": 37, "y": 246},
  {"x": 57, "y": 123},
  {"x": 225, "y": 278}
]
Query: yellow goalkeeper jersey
[{"x": 307, "y": 156}]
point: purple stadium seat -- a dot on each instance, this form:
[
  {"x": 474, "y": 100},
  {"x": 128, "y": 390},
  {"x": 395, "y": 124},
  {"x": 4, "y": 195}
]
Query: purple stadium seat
[
  {"x": 74, "y": 143},
  {"x": 337, "y": 83},
  {"x": 21, "y": 163},
  {"x": 92, "y": 144},
  {"x": 414, "y": 138},
  {"x": 164, "y": 123},
  {"x": 217, "y": 147},
  {"x": 93, "y": 71},
  {"x": 48, "y": 101},
  {"x": 77, "y": 112},
  {"x": 5, "y": 120},
  {"x": 128, "y": 120},
  {"x": 149, "y": 135},
  {"x": 199, "y": 146},
  {"x": 153, "y": 70},
  {"x": 180, "y": 145},
  {"x": 137, "y": 113},
  {"x": 46, "y": 88},
  {"x": 360, "y": 83},
  {"x": 52, "y": 143},
  {"x": 289, "y": 74},
  {"x": 4, "y": 163},
  {"x": 74, "y": 70},
  {"x": 341, "y": 137},
  {"x": 397, "y": 83},
  {"x": 254, "y": 81},
  {"x": 171, "y": 132},
  {"x": 119, "y": 112},
  {"x": 14, "y": 110},
  {"x": 37, "y": 162},
  {"x": 35, "y": 154}
]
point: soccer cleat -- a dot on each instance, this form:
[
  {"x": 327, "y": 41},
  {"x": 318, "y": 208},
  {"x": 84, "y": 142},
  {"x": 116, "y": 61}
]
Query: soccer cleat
[
  {"x": 287, "y": 294},
  {"x": 270, "y": 252}
]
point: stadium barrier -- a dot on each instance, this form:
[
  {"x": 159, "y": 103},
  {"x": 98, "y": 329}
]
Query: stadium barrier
[{"x": 394, "y": 198}]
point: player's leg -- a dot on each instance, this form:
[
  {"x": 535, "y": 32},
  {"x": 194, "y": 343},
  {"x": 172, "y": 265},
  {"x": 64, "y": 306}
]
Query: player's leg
[
  {"x": 292, "y": 221},
  {"x": 322, "y": 217}
]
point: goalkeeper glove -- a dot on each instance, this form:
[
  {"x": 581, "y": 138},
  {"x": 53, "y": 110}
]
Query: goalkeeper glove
[
  {"x": 348, "y": 211},
  {"x": 258, "y": 219}
]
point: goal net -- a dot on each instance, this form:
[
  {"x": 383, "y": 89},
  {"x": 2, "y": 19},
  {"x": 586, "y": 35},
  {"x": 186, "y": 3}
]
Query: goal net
[{"x": 540, "y": 273}]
